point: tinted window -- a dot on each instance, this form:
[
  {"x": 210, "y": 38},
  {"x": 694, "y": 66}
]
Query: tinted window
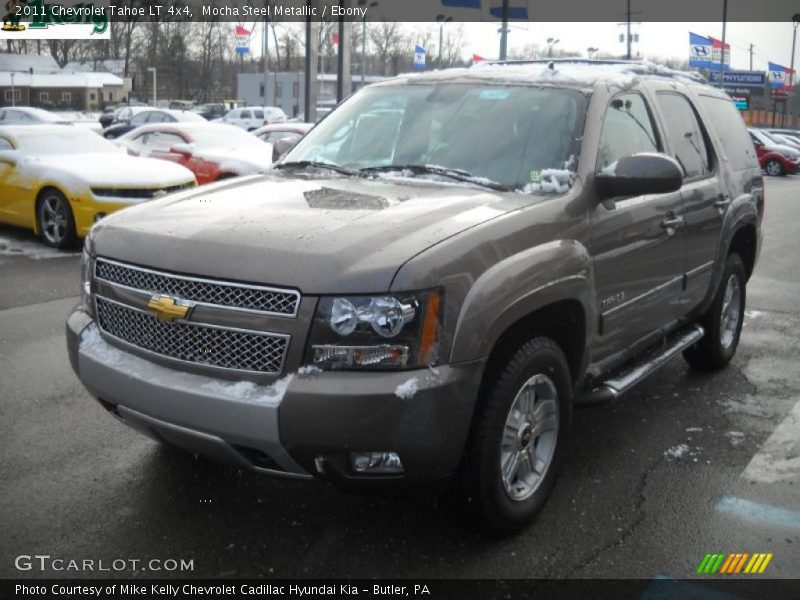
[
  {"x": 274, "y": 136},
  {"x": 245, "y": 114},
  {"x": 686, "y": 140},
  {"x": 727, "y": 122},
  {"x": 258, "y": 114},
  {"x": 627, "y": 129},
  {"x": 141, "y": 118}
]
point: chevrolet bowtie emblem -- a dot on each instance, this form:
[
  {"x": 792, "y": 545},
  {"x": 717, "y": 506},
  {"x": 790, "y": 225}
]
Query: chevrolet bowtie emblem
[{"x": 166, "y": 309}]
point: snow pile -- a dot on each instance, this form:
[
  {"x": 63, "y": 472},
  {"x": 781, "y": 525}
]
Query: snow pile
[
  {"x": 554, "y": 181},
  {"x": 247, "y": 391},
  {"x": 408, "y": 389},
  {"x": 93, "y": 344}
]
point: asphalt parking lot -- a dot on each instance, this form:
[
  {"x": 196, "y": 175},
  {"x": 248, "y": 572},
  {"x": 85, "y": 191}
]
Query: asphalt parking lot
[{"x": 684, "y": 465}]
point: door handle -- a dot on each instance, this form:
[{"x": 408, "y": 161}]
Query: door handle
[
  {"x": 672, "y": 222},
  {"x": 722, "y": 202}
]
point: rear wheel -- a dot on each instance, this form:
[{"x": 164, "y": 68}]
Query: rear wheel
[
  {"x": 774, "y": 167},
  {"x": 722, "y": 322},
  {"x": 512, "y": 457},
  {"x": 55, "y": 219}
]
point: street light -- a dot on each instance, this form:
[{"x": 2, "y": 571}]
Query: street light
[
  {"x": 153, "y": 71},
  {"x": 795, "y": 23},
  {"x": 441, "y": 19},
  {"x": 591, "y": 50},
  {"x": 364, "y": 40},
  {"x": 550, "y": 43}
]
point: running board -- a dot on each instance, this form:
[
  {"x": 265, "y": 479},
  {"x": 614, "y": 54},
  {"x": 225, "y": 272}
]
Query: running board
[{"x": 652, "y": 360}]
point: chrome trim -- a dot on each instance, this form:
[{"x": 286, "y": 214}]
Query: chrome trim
[
  {"x": 197, "y": 365},
  {"x": 700, "y": 269},
  {"x": 262, "y": 288},
  {"x": 642, "y": 296}
]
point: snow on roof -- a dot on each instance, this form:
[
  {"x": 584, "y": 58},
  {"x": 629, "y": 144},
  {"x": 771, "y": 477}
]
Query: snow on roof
[
  {"x": 111, "y": 65},
  {"x": 60, "y": 80},
  {"x": 41, "y": 63},
  {"x": 579, "y": 73}
]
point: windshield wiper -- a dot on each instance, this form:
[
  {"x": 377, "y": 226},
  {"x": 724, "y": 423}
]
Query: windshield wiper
[
  {"x": 456, "y": 174},
  {"x": 304, "y": 164}
]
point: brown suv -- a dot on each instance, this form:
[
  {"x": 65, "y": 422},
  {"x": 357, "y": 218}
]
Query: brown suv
[{"x": 423, "y": 286}]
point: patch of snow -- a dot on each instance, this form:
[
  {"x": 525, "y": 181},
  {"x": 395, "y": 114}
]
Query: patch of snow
[
  {"x": 753, "y": 314},
  {"x": 408, "y": 389},
  {"x": 735, "y": 437},
  {"x": 677, "y": 451},
  {"x": 693, "y": 429},
  {"x": 31, "y": 249},
  {"x": 555, "y": 181},
  {"x": 307, "y": 371}
]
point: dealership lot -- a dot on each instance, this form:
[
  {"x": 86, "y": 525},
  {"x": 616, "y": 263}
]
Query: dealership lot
[{"x": 684, "y": 465}]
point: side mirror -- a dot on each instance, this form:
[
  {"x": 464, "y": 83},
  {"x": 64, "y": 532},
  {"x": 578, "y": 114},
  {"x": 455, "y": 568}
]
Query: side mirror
[
  {"x": 639, "y": 174},
  {"x": 185, "y": 149},
  {"x": 9, "y": 157},
  {"x": 281, "y": 147}
]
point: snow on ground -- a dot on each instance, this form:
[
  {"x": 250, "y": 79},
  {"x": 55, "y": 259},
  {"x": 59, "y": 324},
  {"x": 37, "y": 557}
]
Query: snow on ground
[
  {"x": 677, "y": 451},
  {"x": 31, "y": 249},
  {"x": 408, "y": 389}
]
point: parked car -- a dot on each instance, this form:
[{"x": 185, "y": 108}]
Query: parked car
[
  {"x": 59, "y": 179},
  {"x": 776, "y": 159},
  {"x": 27, "y": 115},
  {"x": 251, "y": 118},
  {"x": 212, "y": 151},
  {"x": 111, "y": 113},
  {"x": 425, "y": 307},
  {"x": 181, "y": 104},
  {"x": 213, "y": 110},
  {"x": 132, "y": 117},
  {"x": 786, "y": 140},
  {"x": 286, "y": 133}
]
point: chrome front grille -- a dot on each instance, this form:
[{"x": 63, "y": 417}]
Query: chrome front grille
[
  {"x": 203, "y": 345},
  {"x": 200, "y": 291}
]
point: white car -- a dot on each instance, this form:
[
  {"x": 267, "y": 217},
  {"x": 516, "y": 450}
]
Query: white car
[
  {"x": 251, "y": 118},
  {"x": 59, "y": 179},
  {"x": 28, "y": 115}
]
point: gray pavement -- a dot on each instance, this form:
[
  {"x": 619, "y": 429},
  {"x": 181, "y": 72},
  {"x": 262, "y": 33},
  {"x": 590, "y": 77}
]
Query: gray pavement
[{"x": 685, "y": 464}]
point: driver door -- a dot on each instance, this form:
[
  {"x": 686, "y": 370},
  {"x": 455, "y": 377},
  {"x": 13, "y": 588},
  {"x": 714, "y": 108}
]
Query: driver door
[{"x": 637, "y": 241}]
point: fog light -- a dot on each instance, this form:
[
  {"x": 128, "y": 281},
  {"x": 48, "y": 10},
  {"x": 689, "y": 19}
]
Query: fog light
[{"x": 377, "y": 463}]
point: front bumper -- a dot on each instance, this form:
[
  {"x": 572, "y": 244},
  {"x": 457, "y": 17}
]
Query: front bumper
[{"x": 308, "y": 430}]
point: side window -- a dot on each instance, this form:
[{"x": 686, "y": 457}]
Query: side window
[
  {"x": 156, "y": 117},
  {"x": 161, "y": 141},
  {"x": 258, "y": 114},
  {"x": 686, "y": 139},
  {"x": 627, "y": 129},
  {"x": 140, "y": 118},
  {"x": 245, "y": 114}
]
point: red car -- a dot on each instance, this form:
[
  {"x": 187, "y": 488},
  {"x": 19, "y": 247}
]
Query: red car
[
  {"x": 212, "y": 151},
  {"x": 775, "y": 159}
]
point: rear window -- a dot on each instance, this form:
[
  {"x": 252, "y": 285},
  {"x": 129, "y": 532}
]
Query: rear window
[{"x": 736, "y": 143}]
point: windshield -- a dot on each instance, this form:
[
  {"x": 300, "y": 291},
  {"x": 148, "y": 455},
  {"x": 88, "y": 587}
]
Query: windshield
[
  {"x": 507, "y": 134},
  {"x": 68, "y": 141}
]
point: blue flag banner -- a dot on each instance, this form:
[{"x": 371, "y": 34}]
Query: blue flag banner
[
  {"x": 419, "y": 58},
  {"x": 462, "y": 3},
  {"x": 778, "y": 76},
  {"x": 706, "y": 52}
]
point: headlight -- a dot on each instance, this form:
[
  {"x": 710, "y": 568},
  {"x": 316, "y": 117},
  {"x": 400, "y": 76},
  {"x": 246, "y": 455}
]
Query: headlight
[
  {"x": 87, "y": 265},
  {"x": 391, "y": 331}
]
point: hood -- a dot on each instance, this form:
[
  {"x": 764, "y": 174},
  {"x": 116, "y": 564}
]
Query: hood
[
  {"x": 109, "y": 169},
  {"x": 332, "y": 235}
]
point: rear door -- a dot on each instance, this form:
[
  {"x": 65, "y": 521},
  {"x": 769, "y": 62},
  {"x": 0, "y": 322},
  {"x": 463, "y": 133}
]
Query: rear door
[
  {"x": 704, "y": 200},
  {"x": 637, "y": 241}
]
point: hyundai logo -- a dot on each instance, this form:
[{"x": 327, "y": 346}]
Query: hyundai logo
[{"x": 700, "y": 50}]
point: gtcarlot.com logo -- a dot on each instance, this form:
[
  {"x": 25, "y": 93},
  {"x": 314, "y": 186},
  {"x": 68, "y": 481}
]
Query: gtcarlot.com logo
[
  {"x": 734, "y": 563},
  {"x": 46, "y": 562}
]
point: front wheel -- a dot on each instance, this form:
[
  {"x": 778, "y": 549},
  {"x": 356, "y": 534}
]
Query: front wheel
[
  {"x": 512, "y": 457},
  {"x": 55, "y": 219},
  {"x": 722, "y": 322},
  {"x": 774, "y": 167}
]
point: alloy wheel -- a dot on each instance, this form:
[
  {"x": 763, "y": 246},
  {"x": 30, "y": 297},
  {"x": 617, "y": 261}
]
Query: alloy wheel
[
  {"x": 54, "y": 220},
  {"x": 731, "y": 311}
]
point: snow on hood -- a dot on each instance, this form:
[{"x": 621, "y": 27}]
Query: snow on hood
[{"x": 113, "y": 170}]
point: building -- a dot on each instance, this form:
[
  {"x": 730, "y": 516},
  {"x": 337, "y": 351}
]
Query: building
[
  {"x": 287, "y": 89},
  {"x": 67, "y": 91}
]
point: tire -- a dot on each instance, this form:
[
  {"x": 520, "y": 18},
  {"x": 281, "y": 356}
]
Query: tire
[
  {"x": 774, "y": 168},
  {"x": 55, "y": 219},
  {"x": 722, "y": 322},
  {"x": 501, "y": 433}
]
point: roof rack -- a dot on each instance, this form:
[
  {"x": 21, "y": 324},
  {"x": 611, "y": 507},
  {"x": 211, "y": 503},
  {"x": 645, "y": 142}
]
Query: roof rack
[{"x": 637, "y": 67}]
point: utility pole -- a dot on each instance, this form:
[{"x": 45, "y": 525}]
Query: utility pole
[
  {"x": 312, "y": 30},
  {"x": 265, "y": 44},
  {"x": 504, "y": 32},
  {"x": 628, "y": 21},
  {"x": 344, "y": 84},
  {"x": 722, "y": 54}
]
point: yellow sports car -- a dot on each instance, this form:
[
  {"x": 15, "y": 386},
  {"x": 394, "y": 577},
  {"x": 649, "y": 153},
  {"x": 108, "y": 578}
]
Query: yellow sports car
[{"x": 59, "y": 179}]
